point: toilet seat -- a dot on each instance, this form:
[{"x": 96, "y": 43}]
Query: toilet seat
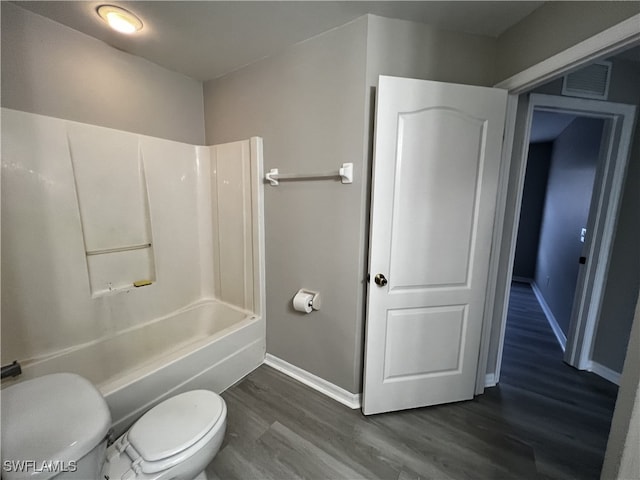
[{"x": 172, "y": 431}]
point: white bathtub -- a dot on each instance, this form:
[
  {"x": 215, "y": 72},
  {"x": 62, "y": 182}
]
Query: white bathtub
[{"x": 208, "y": 345}]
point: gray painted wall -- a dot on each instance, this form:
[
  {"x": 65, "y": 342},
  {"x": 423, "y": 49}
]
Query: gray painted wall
[
  {"x": 408, "y": 49},
  {"x": 312, "y": 104},
  {"x": 307, "y": 103},
  {"x": 533, "y": 195},
  {"x": 554, "y": 27},
  {"x": 50, "y": 69},
  {"x": 566, "y": 210}
]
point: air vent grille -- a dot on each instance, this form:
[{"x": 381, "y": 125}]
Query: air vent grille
[{"x": 591, "y": 81}]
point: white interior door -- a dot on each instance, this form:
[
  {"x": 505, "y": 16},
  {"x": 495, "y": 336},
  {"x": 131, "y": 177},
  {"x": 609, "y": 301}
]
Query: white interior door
[{"x": 436, "y": 166}]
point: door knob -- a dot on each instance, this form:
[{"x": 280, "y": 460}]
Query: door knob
[{"x": 380, "y": 280}]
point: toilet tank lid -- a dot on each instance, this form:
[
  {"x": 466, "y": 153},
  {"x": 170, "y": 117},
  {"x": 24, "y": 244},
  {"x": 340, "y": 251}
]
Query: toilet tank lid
[
  {"x": 175, "y": 424},
  {"x": 59, "y": 417}
]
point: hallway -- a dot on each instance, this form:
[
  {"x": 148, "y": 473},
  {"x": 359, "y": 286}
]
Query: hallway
[{"x": 568, "y": 412}]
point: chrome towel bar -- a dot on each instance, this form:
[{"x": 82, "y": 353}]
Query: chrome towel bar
[{"x": 345, "y": 173}]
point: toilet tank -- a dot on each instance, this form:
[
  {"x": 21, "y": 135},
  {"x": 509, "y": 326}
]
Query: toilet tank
[{"x": 50, "y": 424}]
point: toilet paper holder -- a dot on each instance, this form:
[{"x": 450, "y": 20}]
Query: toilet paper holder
[{"x": 314, "y": 303}]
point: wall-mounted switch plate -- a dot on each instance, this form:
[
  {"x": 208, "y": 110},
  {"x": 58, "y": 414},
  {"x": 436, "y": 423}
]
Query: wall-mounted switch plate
[{"x": 583, "y": 234}]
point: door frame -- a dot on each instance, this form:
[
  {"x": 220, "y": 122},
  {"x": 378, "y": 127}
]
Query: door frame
[
  {"x": 603, "y": 213},
  {"x": 607, "y": 42}
]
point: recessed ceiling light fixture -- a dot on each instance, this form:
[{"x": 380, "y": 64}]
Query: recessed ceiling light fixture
[{"x": 120, "y": 19}]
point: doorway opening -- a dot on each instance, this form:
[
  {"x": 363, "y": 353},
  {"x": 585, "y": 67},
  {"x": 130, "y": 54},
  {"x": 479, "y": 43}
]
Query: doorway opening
[
  {"x": 603, "y": 248},
  {"x": 566, "y": 241},
  {"x": 564, "y": 149}
]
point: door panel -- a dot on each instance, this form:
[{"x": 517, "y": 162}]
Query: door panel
[
  {"x": 410, "y": 350},
  {"x": 423, "y": 138},
  {"x": 436, "y": 166}
]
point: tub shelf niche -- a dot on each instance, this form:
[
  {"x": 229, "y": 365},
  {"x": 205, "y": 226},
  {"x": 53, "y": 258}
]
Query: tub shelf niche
[
  {"x": 118, "y": 249},
  {"x": 111, "y": 190}
]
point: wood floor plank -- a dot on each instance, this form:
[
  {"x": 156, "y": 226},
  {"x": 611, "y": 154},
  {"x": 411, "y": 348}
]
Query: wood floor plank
[
  {"x": 545, "y": 420},
  {"x": 249, "y": 461},
  {"x": 316, "y": 416},
  {"x": 303, "y": 456}
]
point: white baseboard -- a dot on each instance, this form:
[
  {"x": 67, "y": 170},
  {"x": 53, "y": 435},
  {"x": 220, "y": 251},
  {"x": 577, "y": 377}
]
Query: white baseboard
[
  {"x": 490, "y": 380},
  {"x": 553, "y": 323},
  {"x": 351, "y": 400},
  {"x": 604, "y": 372}
]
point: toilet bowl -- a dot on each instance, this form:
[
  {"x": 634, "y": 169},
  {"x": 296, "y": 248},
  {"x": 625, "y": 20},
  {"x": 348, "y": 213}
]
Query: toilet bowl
[{"x": 57, "y": 426}]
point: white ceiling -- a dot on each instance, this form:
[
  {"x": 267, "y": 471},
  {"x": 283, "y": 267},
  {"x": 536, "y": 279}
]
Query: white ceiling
[
  {"x": 547, "y": 126},
  {"x": 207, "y": 39}
]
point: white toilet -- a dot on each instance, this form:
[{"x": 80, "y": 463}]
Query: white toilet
[{"x": 58, "y": 425}]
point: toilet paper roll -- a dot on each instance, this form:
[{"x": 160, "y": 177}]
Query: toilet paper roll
[{"x": 302, "y": 302}]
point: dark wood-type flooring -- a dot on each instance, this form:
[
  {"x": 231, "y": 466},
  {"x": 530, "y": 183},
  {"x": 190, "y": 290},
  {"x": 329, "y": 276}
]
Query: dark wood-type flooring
[{"x": 544, "y": 420}]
